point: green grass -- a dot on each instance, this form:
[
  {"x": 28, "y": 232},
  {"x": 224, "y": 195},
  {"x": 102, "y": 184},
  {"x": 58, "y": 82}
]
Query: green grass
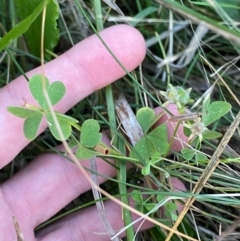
[{"x": 169, "y": 28}]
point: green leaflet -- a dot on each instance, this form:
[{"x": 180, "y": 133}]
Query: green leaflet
[
  {"x": 90, "y": 135},
  {"x": 65, "y": 124},
  {"x": 215, "y": 111},
  {"x": 85, "y": 153},
  {"x": 55, "y": 90},
  {"x": 155, "y": 141},
  {"x": 31, "y": 126},
  {"x": 146, "y": 118},
  {"x": 22, "y": 112}
]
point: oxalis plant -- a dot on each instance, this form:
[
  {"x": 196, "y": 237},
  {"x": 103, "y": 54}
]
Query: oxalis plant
[
  {"x": 195, "y": 124},
  {"x": 33, "y": 115},
  {"x": 148, "y": 153}
]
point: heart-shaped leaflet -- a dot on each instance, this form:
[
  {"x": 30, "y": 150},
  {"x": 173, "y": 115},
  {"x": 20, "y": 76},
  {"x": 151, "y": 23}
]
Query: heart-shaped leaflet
[{"x": 55, "y": 90}]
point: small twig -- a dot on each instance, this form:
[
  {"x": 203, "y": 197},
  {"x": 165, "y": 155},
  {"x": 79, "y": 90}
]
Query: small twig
[
  {"x": 99, "y": 203},
  {"x": 185, "y": 117}
]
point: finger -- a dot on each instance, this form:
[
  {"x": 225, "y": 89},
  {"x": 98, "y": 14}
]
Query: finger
[
  {"x": 59, "y": 181},
  {"x": 179, "y": 138},
  {"x": 84, "y": 69},
  {"x": 87, "y": 224},
  {"x": 43, "y": 188}
]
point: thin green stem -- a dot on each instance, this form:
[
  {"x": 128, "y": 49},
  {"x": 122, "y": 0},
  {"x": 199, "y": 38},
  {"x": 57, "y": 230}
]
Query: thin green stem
[
  {"x": 16, "y": 63},
  {"x": 121, "y": 171},
  {"x": 122, "y": 177}
]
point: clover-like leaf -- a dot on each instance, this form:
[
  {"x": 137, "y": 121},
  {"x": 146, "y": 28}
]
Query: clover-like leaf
[
  {"x": 31, "y": 126},
  {"x": 146, "y": 118},
  {"x": 36, "y": 88},
  {"x": 136, "y": 196},
  {"x": 154, "y": 142},
  {"x": 170, "y": 211},
  {"x": 187, "y": 131},
  {"x": 66, "y": 118},
  {"x": 188, "y": 153},
  {"x": 214, "y": 111},
  {"x": 159, "y": 137},
  {"x": 207, "y": 135},
  {"x": 90, "y": 135},
  {"x": 150, "y": 207},
  {"x": 171, "y": 206},
  {"x": 32, "y": 122},
  {"x": 160, "y": 197},
  {"x": 73, "y": 142},
  {"x": 55, "y": 90},
  {"x": 64, "y": 125},
  {"x": 84, "y": 153},
  {"x": 199, "y": 157},
  {"x": 22, "y": 112},
  {"x": 142, "y": 150}
]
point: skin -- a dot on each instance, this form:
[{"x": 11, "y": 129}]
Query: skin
[{"x": 50, "y": 182}]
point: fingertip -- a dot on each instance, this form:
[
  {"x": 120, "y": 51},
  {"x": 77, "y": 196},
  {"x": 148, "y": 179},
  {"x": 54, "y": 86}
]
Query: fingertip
[
  {"x": 123, "y": 42},
  {"x": 127, "y": 38},
  {"x": 177, "y": 184}
]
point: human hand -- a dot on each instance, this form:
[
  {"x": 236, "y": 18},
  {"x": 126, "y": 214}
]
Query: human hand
[{"x": 50, "y": 182}]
